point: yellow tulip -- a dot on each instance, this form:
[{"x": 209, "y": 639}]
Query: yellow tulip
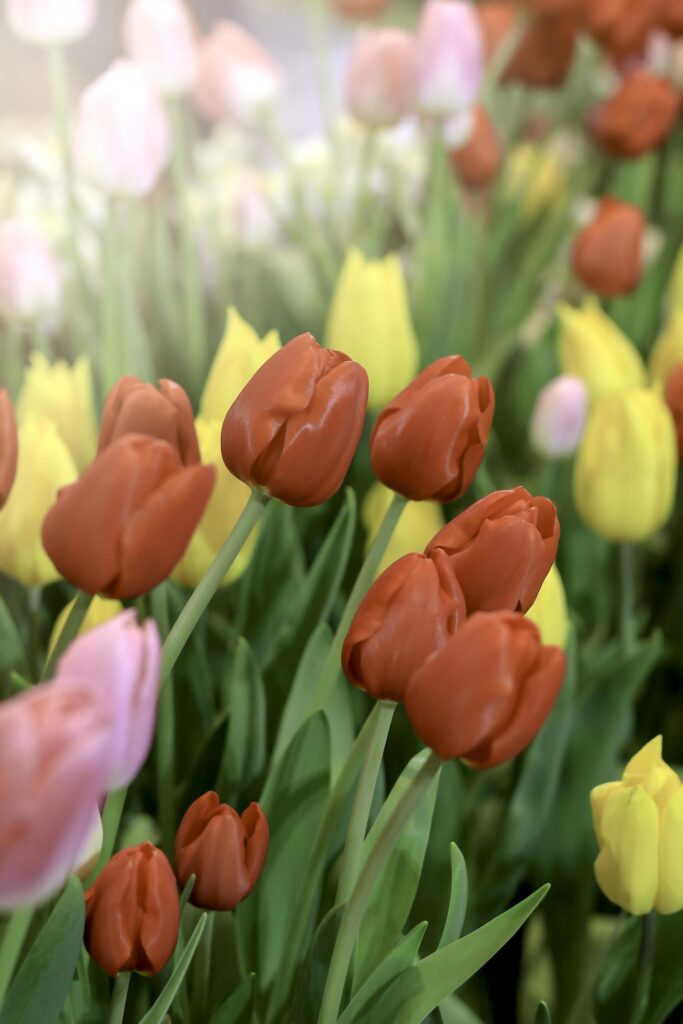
[
  {"x": 370, "y": 321},
  {"x": 667, "y": 351},
  {"x": 639, "y": 826},
  {"x": 62, "y": 393},
  {"x": 549, "y": 610},
  {"x": 535, "y": 178},
  {"x": 675, "y": 289},
  {"x": 419, "y": 521},
  {"x": 225, "y": 506},
  {"x": 592, "y": 347},
  {"x": 45, "y": 464},
  {"x": 627, "y": 465},
  {"x": 240, "y": 354},
  {"x": 100, "y": 610}
]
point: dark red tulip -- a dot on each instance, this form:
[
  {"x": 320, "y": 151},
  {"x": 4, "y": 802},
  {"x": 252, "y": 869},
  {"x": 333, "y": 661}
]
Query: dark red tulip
[
  {"x": 607, "y": 254},
  {"x": 640, "y": 115},
  {"x": 8, "y": 445},
  {"x": 497, "y": 20},
  {"x": 478, "y": 162},
  {"x": 133, "y": 407},
  {"x": 545, "y": 54},
  {"x": 671, "y": 16},
  {"x": 673, "y": 394},
  {"x": 621, "y": 27}
]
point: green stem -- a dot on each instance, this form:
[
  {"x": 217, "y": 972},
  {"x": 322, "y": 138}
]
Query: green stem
[
  {"x": 363, "y": 191},
  {"x": 316, "y": 14},
  {"x": 646, "y": 964},
  {"x": 165, "y": 735},
  {"x": 69, "y": 632},
  {"x": 117, "y": 1007},
  {"x": 110, "y": 323},
  {"x": 206, "y": 966},
  {"x": 111, "y": 820},
  {"x": 239, "y": 949},
  {"x": 12, "y": 943},
  {"x": 628, "y": 596}
]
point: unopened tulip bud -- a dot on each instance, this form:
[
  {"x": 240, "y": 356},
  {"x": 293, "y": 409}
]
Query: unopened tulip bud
[
  {"x": 545, "y": 53},
  {"x": 161, "y": 37},
  {"x": 667, "y": 351},
  {"x": 608, "y": 253},
  {"x": 559, "y": 417},
  {"x": 549, "y": 610},
  {"x": 478, "y": 161},
  {"x": 62, "y": 393},
  {"x": 224, "y": 850},
  {"x": 450, "y": 57},
  {"x": 673, "y": 393},
  {"x": 419, "y": 521},
  {"x": 638, "y": 117},
  {"x": 30, "y": 278},
  {"x": 594, "y": 348},
  {"x": 486, "y": 693},
  {"x": 359, "y": 9},
  {"x": 380, "y": 79},
  {"x": 237, "y": 79},
  {"x": 621, "y": 27},
  {"x": 50, "y": 22},
  {"x": 134, "y": 407},
  {"x": 8, "y": 445},
  {"x": 132, "y": 912}
]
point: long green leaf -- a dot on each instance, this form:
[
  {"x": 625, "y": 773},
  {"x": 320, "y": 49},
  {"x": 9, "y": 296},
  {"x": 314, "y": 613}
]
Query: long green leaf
[
  {"x": 237, "y": 1007},
  {"x": 457, "y": 903},
  {"x": 158, "y": 1011},
  {"x": 401, "y": 957}
]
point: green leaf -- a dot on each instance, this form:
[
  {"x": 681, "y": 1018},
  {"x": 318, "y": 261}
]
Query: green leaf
[
  {"x": 11, "y": 649},
  {"x": 309, "y": 990},
  {"x": 238, "y": 1006},
  {"x": 161, "y": 1006},
  {"x": 244, "y": 756},
  {"x": 457, "y": 903},
  {"x": 204, "y": 772},
  {"x": 456, "y": 1011},
  {"x": 401, "y": 957},
  {"x": 542, "y": 1015},
  {"x": 299, "y": 698},
  {"x": 42, "y": 984}
]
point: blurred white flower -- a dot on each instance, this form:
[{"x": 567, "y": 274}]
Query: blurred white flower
[
  {"x": 161, "y": 36},
  {"x": 450, "y": 57},
  {"x": 559, "y": 417},
  {"x": 237, "y": 79},
  {"x": 30, "y": 277},
  {"x": 50, "y": 22}
]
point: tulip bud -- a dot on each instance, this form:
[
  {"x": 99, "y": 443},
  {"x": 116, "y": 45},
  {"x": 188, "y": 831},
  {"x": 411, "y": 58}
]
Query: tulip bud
[
  {"x": 161, "y": 36},
  {"x": 667, "y": 351},
  {"x": 638, "y": 825},
  {"x": 62, "y": 393},
  {"x": 496, "y": 21},
  {"x": 673, "y": 393},
  {"x": 501, "y": 549},
  {"x": 545, "y": 53},
  {"x": 360, "y": 9},
  {"x": 225, "y": 851},
  {"x": 535, "y": 179},
  {"x": 124, "y": 525},
  {"x": 419, "y": 521},
  {"x": 430, "y": 440},
  {"x": 450, "y": 57},
  {"x": 638, "y": 117},
  {"x": 549, "y": 610},
  {"x": 486, "y": 693},
  {"x": 240, "y": 354},
  {"x": 8, "y": 445},
  {"x": 370, "y": 319},
  {"x": 479, "y": 160},
  {"x": 621, "y": 27},
  {"x": 30, "y": 278},
  {"x": 294, "y": 429},
  {"x": 122, "y": 136},
  {"x": 50, "y": 23},
  {"x": 133, "y": 407},
  {"x": 592, "y": 347},
  {"x": 237, "y": 79},
  {"x": 625, "y": 473},
  {"x": 671, "y": 16},
  {"x": 380, "y": 79},
  {"x": 132, "y": 912},
  {"x": 607, "y": 254},
  {"x": 100, "y": 610},
  {"x": 559, "y": 417}
]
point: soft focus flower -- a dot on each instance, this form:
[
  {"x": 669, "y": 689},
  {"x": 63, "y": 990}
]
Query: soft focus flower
[
  {"x": 63, "y": 394},
  {"x": 122, "y": 137},
  {"x": 478, "y": 162},
  {"x": 161, "y": 36},
  {"x": 501, "y": 549},
  {"x": 608, "y": 253},
  {"x": 675, "y": 286},
  {"x": 294, "y": 429},
  {"x": 559, "y": 417},
  {"x": 30, "y": 277},
  {"x": 535, "y": 178},
  {"x": 50, "y": 22},
  {"x": 639, "y": 116},
  {"x": 361, "y": 9},
  {"x": 667, "y": 351},
  {"x": 408, "y": 612},
  {"x": 133, "y": 912},
  {"x": 429, "y": 441},
  {"x": 124, "y": 525},
  {"x": 670, "y": 16},
  {"x": 44, "y": 465},
  {"x": 100, "y": 610},
  {"x": 496, "y": 20},
  {"x": 380, "y": 78},
  {"x": 237, "y": 79},
  {"x": 419, "y": 521},
  {"x": 673, "y": 394},
  {"x": 639, "y": 827},
  {"x": 240, "y": 354},
  {"x": 370, "y": 319},
  {"x": 89, "y": 854},
  {"x": 549, "y": 610},
  {"x": 134, "y": 407},
  {"x": 594, "y": 348},
  {"x": 626, "y": 469},
  {"x": 450, "y": 57},
  {"x": 621, "y": 27},
  {"x": 545, "y": 53},
  {"x": 486, "y": 693},
  {"x": 226, "y": 851},
  {"x": 8, "y": 445}
]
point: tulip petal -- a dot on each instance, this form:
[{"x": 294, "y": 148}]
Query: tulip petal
[
  {"x": 627, "y": 868},
  {"x": 670, "y": 892}
]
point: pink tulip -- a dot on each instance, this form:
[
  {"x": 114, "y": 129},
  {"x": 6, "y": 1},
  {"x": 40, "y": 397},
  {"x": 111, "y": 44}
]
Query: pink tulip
[
  {"x": 161, "y": 37},
  {"x": 380, "y": 83},
  {"x": 30, "y": 278},
  {"x": 122, "y": 137},
  {"x": 50, "y": 22},
  {"x": 559, "y": 417},
  {"x": 237, "y": 78},
  {"x": 450, "y": 57}
]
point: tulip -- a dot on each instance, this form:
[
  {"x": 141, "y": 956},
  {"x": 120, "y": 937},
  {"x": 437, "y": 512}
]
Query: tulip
[
  {"x": 667, "y": 351},
  {"x": 224, "y": 850},
  {"x": 237, "y": 78},
  {"x": 62, "y": 393},
  {"x": 44, "y": 465},
  {"x": 360, "y": 9},
  {"x": 133, "y": 912},
  {"x": 671, "y": 16},
  {"x": 625, "y": 473},
  {"x": 478, "y": 162},
  {"x": 621, "y": 27},
  {"x": 673, "y": 394},
  {"x": 675, "y": 285},
  {"x": 639, "y": 827},
  {"x": 124, "y": 525},
  {"x": 409, "y": 612},
  {"x": 161, "y": 37},
  {"x": 370, "y": 319},
  {"x": 133, "y": 407},
  {"x": 501, "y": 549},
  {"x": 485, "y": 694},
  {"x": 549, "y": 610},
  {"x": 638, "y": 117},
  {"x": 8, "y": 445},
  {"x": 496, "y": 21},
  {"x": 30, "y": 277},
  {"x": 419, "y": 521},
  {"x": 429, "y": 441},
  {"x": 450, "y": 57},
  {"x": 122, "y": 136},
  {"x": 100, "y": 610},
  {"x": 545, "y": 53},
  {"x": 294, "y": 428},
  {"x": 607, "y": 254},
  {"x": 50, "y": 23},
  {"x": 240, "y": 354},
  {"x": 380, "y": 78},
  {"x": 535, "y": 179},
  {"x": 592, "y": 347},
  {"x": 559, "y": 417}
]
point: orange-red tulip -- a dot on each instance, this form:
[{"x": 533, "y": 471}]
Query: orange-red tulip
[
  {"x": 360, "y": 9},
  {"x": 126, "y": 522},
  {"x": 607, "y": 253},
  {"x": 133, "y": 407},
  {"x": 671, "y": 16},
  {"x": 496, "y": 20},
  {"x": 546, "y": 52},
  {"x": 673, "y": 394},
  {"x": 620, "y": 26},
  {"x": 429, "y": 441},
  {"x": 478, "y": 162},
  {"x": 133, "y": 912},
  {"x": 639, "y": 116},
  {"x": 225, "y": 851},
  {"x": 8, "y": 445},
  {"x": 486, "y": 693},
  {"x": 294, "y": 428}
]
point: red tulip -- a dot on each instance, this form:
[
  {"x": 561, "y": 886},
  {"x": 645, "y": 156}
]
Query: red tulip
[
  {"x": 133, "y": 407},
  {"x": 607, "y": 254},
  {"x": 640, "y": 115},
  {"x": 621, "y": 27},
  {"x": 8, "y": 445},
  {"x": 478, "y": 162},
  {"x": 546, "y": 52}
]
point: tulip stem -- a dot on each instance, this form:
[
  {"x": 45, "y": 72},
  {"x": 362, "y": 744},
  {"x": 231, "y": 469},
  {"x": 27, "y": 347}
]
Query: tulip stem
[
  {"x": 165, "y": 737},
  {"x": 111, "y": 819},
  {"x": 68, "y": 632},
  {"x": 117, "y": 1007},
  {"x": 646, "y": 963},
  {"x": 363, "y": 190},
  {"x": 354, "y": 910},
  {"x": 12, "y": 943},
  {"x": 628, "y": 596}
]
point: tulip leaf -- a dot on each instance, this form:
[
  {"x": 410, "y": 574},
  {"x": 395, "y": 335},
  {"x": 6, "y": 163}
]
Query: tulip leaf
[
  {"x": 11, "y": 649},
  {"x": 205, "y": 769},
  {"x": 309, "y": 990},
  {"x": 401, "y": 956},
  {"x": 245, "y": 749},
  {"x": 298, "y": 702},
  {"x": 161, "y": 1006},
  {"x": 456, "y": 1011},
  {"x": 42, "y": 983},
  {"x": 238, "y": 1006},
  {"x": 542, "y": 1015},
  {"x": 457, "y": 903}
]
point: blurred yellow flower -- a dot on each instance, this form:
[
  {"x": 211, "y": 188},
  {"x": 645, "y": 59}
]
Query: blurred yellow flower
[
  {"x": 535, "y": 178},
  {"x": 419, "y": 521},
  {"x": 100, "y": 610},
  {"x": 370, "y": 321},
  {"x": 667, "y": 351},
  {"x": 592, "y": 347},
  {"x": 549, "y": 610},
  {"x": 240, "y": 354},
  {"x": 639, "y": 826},
  {"x": 627, "y": 465},
  {"x": 45, "y": 464},
  {"x": 675, "y": 290},
  {"x": 62, "y": 393}
]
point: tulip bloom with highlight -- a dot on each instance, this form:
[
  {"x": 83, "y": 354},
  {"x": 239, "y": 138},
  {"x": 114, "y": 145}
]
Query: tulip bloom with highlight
[
  {"x": 134, "y": 407},
  {"x": 133, "y": 912},
  {"x": 429, "y": 441},
  {"x": 8, "y": 445},
  {"x": 161, "y": 37},
  {"x": 549, "y": 610},
  {"x": 226, "y": 851},
  {"x": 450, "y": 58},
  {"x": 559, "y": 417},
  {"x": 487, "y": 692},
  {"x": 608, "y": 253},
  {"x": 667, "y": 351},
  {"x": 626, "y": 470},
  {"x": 240, "y": 354},
  {"x": 63, "y": 394},
  {"x": 30, "y": 277},
  {"x": 419, "y": 521},
  {"x": 639, "y": 116},
  {"x": 237, "y": 79},
  {"x": 673, "y": 394},
  {"x": 592, "y": 347},
  {"x": 50, "y": 22},
  {"x": 638, "y": 822},
  {"x": 380, "y": 79},
  {"x": 370, "y": 319},
  {"x": 478, "y": 162},
  {"x": 294, "y": 428},
  {"x": 545, "y": 54}
]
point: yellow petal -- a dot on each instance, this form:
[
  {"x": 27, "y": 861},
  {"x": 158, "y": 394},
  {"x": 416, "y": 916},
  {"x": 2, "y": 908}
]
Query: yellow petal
[
  {"x": 670, "y": 892},
  {"x": 594, "y": 348},
  {"x": 63, "y": 394},
  {"x": 549, "y": 610},
  {"x": 627, "y": 868},
  {"x": 419, "y": 521},
  {"x": 240, "y": 354}
]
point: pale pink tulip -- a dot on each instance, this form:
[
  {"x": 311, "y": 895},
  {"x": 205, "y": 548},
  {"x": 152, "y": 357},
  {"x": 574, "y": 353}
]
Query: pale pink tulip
[
  {"x": 450, "y": 57},
  {"x": 237, "y": 79},
  {"x": 559, "y": 417},
  {"x": 30, "y": 277},
  {"x": 380, "y": 82},
  {"x": 161, "y": 37},
  {"x": 50, "y": 22}
]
